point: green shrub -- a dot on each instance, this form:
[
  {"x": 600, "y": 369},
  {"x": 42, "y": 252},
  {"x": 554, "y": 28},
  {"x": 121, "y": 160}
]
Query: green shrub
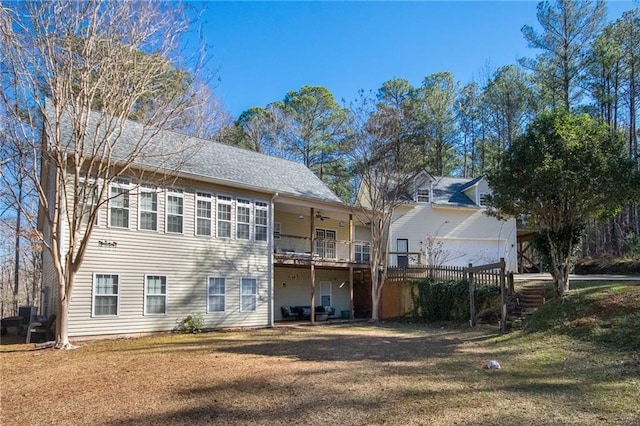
[
  {"x": 191, "y": 324},
  {"x": 449, "y": 301}
]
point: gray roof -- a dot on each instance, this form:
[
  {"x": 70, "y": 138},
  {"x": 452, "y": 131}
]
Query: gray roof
[
  {"x": 209, "y": 160},
  {"x": 450, "y": 191}
]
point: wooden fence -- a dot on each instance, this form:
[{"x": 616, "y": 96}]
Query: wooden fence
[
  {"x": 442, "y": 273},
  {"x": 396, "y": 295}
]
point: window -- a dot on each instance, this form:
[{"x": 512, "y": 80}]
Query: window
[
  {"x": 482, "y": 198},
  {"x": 203, "y": 214},
  {"x": 276, "y": 230},
  {"x": 216, "y": 294},
  {"x": 326, "y": 243},
  {"x": 422, "y": 195},
  {"x": 402, "y": 252},
  {"x": 325, "y": 293},
  {"x": 243, "y": 219},
  {"x": 119, "y": 204},
  {"x": 362, "y": 251},
  {"x": 224, "y": 217},
  {"x": 148, "y": 208},
  {"x": 175, "y": 210},
  {"x": 87, "y": 202},
  {"x": 262, "y": 223},
  {"x": 105, "y": 294},
  {"x": 248, "y": 294},
  {"x": 155, "y": 301}
]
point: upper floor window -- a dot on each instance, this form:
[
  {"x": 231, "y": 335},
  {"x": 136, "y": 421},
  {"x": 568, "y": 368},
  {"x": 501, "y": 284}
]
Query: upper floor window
[
  {"x": 148, "y": 208},
  {"x": 119, "y": 203},
  {"x": 422, "y": 195},
  {"x": 175, "y": 210},
  {"x": 262, "y": 213},
  {"x": 224, "y": 217},
  {"x": 276, "y": 230},
  {"x": 87, "y": 200},
  {"x": 203, "y": 214},
  {"x": 362, "y": 251},
  {"x": 243, "y": 219},
  {"x": 483, "y": 198}
]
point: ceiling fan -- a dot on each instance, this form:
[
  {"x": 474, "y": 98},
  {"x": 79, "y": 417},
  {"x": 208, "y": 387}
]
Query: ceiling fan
[{"x": 319, "y": 216}]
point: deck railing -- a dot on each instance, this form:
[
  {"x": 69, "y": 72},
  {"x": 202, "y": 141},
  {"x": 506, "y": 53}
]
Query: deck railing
[
  {"x": 442, "y": 273},
  {"x": 294, "y": 246}
]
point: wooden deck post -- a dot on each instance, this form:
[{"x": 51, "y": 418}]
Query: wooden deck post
[
  {"x": 312, "y": 316},
  {"x": 472, "y": 299},
  {"x": 503, "y": 296},
  {"x": 350, "y": 292}
]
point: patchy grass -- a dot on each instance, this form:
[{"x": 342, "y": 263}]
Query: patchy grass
[{"x": 558, "y": 371}]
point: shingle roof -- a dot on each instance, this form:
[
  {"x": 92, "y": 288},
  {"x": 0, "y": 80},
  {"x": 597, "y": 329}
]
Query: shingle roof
[
  {"x": 211, "y": 160},
  {"x": 450, "y": 191}
]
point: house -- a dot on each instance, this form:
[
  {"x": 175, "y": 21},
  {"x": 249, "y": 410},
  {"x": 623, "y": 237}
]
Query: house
[
  {"x": 230, "y": 235},
  {"x": 444, "y": 221}
]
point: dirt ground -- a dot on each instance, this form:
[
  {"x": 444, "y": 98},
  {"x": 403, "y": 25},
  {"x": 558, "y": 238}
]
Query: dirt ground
[{"x": 347, "y": 374}]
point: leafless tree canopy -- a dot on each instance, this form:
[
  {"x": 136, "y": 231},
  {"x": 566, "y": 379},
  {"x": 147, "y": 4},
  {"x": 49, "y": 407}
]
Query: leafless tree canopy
[{"x": 73, "y": 74}]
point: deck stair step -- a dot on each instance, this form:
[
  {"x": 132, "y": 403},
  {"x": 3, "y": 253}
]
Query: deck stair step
[{"x": 532, "y": 297}]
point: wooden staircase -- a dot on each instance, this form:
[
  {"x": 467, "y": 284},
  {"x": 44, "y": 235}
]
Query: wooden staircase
[{"x": 531, "y": 297}]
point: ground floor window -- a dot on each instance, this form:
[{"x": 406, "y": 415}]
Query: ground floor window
[
  {"x": 248, "y": 294},
  {"x": 106, "y": 289},
  {"x": 216, "y": 294},
  {"x": 155, "y": 294}
]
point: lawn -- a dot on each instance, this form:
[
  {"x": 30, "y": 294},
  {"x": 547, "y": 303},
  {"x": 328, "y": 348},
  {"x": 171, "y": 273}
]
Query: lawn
[{"x": 346, "y": 374}]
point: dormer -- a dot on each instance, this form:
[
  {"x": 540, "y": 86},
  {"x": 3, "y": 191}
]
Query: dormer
[
  {"x": 478, "y": 190},
  {"x": 423, "y": 188}
]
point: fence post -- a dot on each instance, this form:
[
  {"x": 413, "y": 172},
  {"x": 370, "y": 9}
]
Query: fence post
[
  {"x": 503, "y": 296},
  {"x": 472, "y": 299}
]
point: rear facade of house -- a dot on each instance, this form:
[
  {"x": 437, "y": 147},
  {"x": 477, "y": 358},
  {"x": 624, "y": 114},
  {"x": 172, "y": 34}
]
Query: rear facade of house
[{"x": 234, "y": 236}]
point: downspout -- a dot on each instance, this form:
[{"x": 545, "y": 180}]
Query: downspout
[{"x": 270, "y": 267}]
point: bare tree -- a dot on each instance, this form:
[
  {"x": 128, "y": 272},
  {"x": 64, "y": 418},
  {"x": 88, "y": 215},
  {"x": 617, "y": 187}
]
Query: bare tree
[
  {"x": 386, "y": 160},
  {"x": 74, "y": 74}
]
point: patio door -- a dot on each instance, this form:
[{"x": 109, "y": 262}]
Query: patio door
[
  {"x": 325, "y": 293},
  {"x": 326, "y": 243}
]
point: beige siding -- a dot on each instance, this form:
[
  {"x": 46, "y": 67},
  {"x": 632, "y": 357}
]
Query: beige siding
[
  {"x": 292, "y": 287},
  {"x": 185, "y": 259}
]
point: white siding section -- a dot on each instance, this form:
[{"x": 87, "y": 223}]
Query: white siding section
[{"x": 468, "y": 235}]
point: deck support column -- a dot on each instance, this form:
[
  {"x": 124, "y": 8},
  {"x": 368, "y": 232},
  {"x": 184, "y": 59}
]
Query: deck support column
[{"x": 312, "y": 317}]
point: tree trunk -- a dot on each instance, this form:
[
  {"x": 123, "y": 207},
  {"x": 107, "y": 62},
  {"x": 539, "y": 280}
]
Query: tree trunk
[{"x": 62, "y": 311}]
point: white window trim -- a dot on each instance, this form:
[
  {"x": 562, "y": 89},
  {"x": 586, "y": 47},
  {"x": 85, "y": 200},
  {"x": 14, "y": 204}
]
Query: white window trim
[
  {"x": 209, "y": 197},
  {"x": 94, "y": 294},
  {"x": 96, "y": 200},
  {"x": 148, "y": 189},
  {"x": 335, "y": 242},
  {"x": 262, "y": 206},
  {"x": 423, "y": 190},
  {"x": 482, "y": 199},
  {"x": 255, "y": 294},
  {"x": 125, "y": 184},
  {"x": 228, "y": 200},
  {"x": 209, "y": 311},
  {"x": 248, "y": 204},
  {"x": 166, "y": 296},
  {"x": 175, "y": 192},
  {"x": 361, "y": 244}
]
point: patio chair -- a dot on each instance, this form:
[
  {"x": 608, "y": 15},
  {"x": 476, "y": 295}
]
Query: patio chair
[{"x": 44, "y": 329}]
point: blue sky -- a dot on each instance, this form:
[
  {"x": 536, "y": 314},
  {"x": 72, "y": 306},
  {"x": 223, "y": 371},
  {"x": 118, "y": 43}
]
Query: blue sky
[{"x": 265, "y": 49}]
